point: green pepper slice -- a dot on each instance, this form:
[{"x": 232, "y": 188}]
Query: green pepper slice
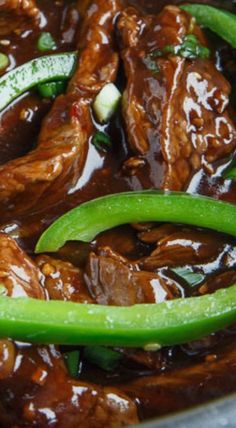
[
  {"x": 219, "y": 21},
  {"x": 39, "y": 70},
  {"x": 148, "y": 325},
  {"x": 87, "y": 220}
]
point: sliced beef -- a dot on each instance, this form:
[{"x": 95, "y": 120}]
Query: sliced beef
[
  {"x": 62, "y": 280},
  {"x": 44, "y": 176},
  {"x": 35, "y": 387},
  {"x": 173, "y": 106},
  {"x": 7, "y": 358},
  {"x": 187, "y": 246},
  {"x": 14, "y": 13},
  {"x": 40, "y": 393},
  {"x": 181, "y": 388},
  {"x": 18, "y": 273},
  {"x": 113, "y": 280}
]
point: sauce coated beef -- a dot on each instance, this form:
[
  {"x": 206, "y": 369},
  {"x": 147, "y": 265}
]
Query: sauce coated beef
[
  {"x": 15, "y": 13},
  {"x": 46, "y": 174},
  {"x": 175, "y": 124},
  {"x": 177, "y": 106}
]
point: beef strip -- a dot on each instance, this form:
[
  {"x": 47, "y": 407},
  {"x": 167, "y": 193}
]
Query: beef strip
[
  {"x": 113, "y": 280},
  {"x": 180, "y": 388},
  {"x": 18, "y": 273},
  {"x": 40, "y": 393},
  {"x": 46, "y": 389},
  {"x": 45, "y": 175},
  {"x": 172, "y": 105},
  {"x": 14, "y": 13},
  {"x": 188, "y": 246},
  {"x": 62, "y": 280}
]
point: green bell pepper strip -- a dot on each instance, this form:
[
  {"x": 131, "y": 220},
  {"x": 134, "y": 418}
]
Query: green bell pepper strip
[
  {"x": 103, "y": 357},
  {"x": 87, "y": 220},
  {"x": 147, "y": 325},
  {"x": 219, "y": 21},
  {"x": 51, "y": 89},
  {"x": 39, "y": 70}
]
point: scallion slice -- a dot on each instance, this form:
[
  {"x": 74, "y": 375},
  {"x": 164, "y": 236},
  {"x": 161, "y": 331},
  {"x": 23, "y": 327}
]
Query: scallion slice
[
  {"x": 106, "y": 102},
  {"x": 46, "y": 42}
]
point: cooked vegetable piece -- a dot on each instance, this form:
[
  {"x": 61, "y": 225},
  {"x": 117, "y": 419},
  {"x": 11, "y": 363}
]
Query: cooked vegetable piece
[
  {"x": 46, "y": 42},
  {"x": 103, "y": 357},
  {"x": 190, "y": 48},
  {"x": 84, "y": 222},
  {"x": 106, "y": 102},
  {"x": 192, "y": 278},
  {"x": 51, "y": 89},
  {"x": 4, "y": 61},
  {"x": 101, "y": 141},
  {"x": 72, "y": 362},
  {"x": 220, "y": 21},
  {"x": 167, "y": 323},
  {"x": 32, "y": 73},
  {"x": 230, "y": 172}
]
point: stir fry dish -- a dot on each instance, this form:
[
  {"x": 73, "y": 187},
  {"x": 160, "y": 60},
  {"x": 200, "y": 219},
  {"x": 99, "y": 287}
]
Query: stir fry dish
[{"x": 117, "y": 210}]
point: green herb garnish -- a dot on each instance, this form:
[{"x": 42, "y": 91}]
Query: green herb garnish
[
  {"x": 46, "y": 42},
  {"x": 190, "y": 48},
  {"x": 103, "y": 357},
  {"x": 51, "y": 89},
  {"x": 101, "y": 141},
  {"x": 188, "y": 275},
  {"x": 72, "y": 362}
]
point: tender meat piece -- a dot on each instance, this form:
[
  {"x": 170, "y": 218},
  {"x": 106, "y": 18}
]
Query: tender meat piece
[
  {"x": 181, "y": 388},
  {"x": 20, "y": 277},
  {"x": 40, "y": 393},
  {"x": 14, "y": 13},
  {"x": 173, "y": 105},
  {"x": 189, "y": 246},
  {"x": 7, "y": 358},
  {"x": 154, "y": 234},
  {"x": 62, "y": 280},
  {"x": 215, "y": 282},
  {"x": 112, "y": 280},
  {"x": 44, "y": 176},
  {"x": 35, "y": 377},
  {"x": 18, "y": 273},
  {"x": 144, "y": 359}
]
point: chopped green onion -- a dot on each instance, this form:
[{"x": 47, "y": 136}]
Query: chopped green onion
[
  {"x": 101, "y": 141},
  {"x": 150, "y": 64},
  {"x": 51, "y": 89},
  {"x": 72, "y": 362},
  {"x": 187, "y": 274},
  {"x": 190, "y": 48},
  {"x": 4, "y": 61},
  {"x": 219, "y": 21},
  {"x": 105, "y": 358},
  {"x": 46, "y": 42},
  {"x": 106, "y": 102}
]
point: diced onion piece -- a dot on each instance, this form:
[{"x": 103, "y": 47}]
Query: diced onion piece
[{"x": 106, "y": 102}]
